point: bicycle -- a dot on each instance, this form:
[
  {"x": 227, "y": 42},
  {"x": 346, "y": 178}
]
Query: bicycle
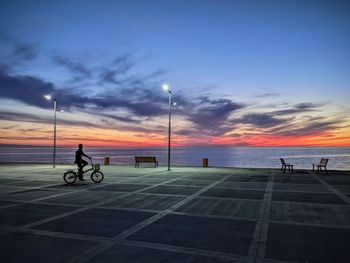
[{"x": 96, "y": 176}]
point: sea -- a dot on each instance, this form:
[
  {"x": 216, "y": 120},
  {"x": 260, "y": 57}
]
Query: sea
[{"x": 252, "y": 157}]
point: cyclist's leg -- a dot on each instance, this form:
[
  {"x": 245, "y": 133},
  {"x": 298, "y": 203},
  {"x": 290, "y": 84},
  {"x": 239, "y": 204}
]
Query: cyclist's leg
[
  {"x": 80, "y": 169},
  {"x": 83, "y": 163}
]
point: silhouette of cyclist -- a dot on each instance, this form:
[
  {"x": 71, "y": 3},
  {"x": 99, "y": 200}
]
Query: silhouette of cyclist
[{"x": 80, "y": 161}]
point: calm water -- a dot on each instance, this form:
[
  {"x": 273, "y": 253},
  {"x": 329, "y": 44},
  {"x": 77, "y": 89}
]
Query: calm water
[{"x": 267, "y": 157}]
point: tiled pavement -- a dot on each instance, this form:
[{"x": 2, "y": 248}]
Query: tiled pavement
[{"x": 185, "y": 215}]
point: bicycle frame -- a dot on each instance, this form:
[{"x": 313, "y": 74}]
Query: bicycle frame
[{"x": 90, "y": 169}]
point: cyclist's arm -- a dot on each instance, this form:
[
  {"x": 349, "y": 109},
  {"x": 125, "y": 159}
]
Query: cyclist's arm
[{"x": 86, "y": 155}]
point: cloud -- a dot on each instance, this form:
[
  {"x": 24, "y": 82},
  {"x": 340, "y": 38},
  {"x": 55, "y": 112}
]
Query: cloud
[
  {"x": 14, "y": 53},
  {"x": 119, "y": 67},
  {"x": 29, "y": 90},
  {"x": 267, "y": 95},
  {"x": 261, "y": 120},
  {"x": 310, "y": 128},
  {"x": 211, "y": 116},
  {"x": 29, "y": 117},
  {"x": 299, "y": 108},
  {"x": 19, "y": 50},
  {"x": 77, "y": 68}
]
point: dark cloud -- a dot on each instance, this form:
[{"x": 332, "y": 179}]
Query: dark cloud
[
  {"x": 118, "y": 68},
  {"x": 29, "y": 90},
  {"x": 19, "y": 50},
  {"x": 8, "y": 127},
  {"x": 212, "y": 113},
  {"x": 77, "y": 68},
  {"x": 29, "y": 117},
  {"x": 15, "y": 53},
  {"x": 310, "y": 128},
  {"x": 299, "y": 108},
  {"x": 211, "y": 116},
  {"x": 267, "y": 95},
  {"x": 24, "y": 51},
  {"x": 261, "y": 120}
]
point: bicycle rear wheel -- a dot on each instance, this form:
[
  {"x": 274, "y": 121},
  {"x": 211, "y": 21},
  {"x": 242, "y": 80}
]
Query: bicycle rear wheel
[
  {"x": 97, "y": 176},
  {"x": 70, "y": 177}
]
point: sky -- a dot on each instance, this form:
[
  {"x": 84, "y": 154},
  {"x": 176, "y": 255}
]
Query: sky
[{"x": 243, "y": 73}]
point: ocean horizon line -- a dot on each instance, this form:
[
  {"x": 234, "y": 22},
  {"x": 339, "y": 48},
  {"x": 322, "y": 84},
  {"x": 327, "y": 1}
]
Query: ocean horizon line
[{"x": 165, "y": 147}]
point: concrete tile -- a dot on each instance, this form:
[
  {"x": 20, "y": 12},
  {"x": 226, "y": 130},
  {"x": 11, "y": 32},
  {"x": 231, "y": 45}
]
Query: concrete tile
[
  {"x": 78, "y": 185},
  {"x": 248, "y": 178},
  {"x": 8, "y": 180},
  {"x": 300, "y": 187},
  {"x": 308, "y": 244},
  {"x": 191, "y": 182},
  {"x": 33, "y": 183},
  {"x": 242, "y": 185},
  {"x": 3, "y": 203},
  {"x": 24, "y": 247},
  {"x": 145, "y": 201},
  {"x": 222, "y": 207},
  {"x": 234, "y": 193},
  {"x": 97, "y": 222},
  {"x": 28, "y": 213},
  {"x": 319, "y": 198},
  {"x": 310, "y": 213},
  {"x": 8, "y": 189},
  {"x": 204, "y": 177},
  {"x": 121, "y": 187},
  {"x": 149, "y": 181},
  {"x": 133, "y": 254},
  {"x": 337, "y": 182},
  {"x": 30, "y": 194},
  {"x": 83, "y": 198},
  {"x": 175, "y": 190},
  {"x": 342, "y": 188},
  {"x": 165, "y": 174},
  {"x": 295, "y": 179},
  {"x": 224, "y": 235}
]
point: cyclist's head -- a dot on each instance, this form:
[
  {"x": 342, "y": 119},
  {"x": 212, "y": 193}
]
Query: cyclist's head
[{"x": 80, "y": 146}]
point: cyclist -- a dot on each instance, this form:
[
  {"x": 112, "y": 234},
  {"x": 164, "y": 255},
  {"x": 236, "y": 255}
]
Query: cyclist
[{"x": 80, "y": 161}]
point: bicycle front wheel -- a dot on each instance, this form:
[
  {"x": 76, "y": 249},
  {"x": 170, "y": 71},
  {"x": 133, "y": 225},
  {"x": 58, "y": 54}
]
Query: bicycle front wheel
[
  {"x": 97, "y": 176},
  {"x": 70, "y": 177}
]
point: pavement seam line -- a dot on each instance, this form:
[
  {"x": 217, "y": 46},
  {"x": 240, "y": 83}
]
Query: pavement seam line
[{"x": 258, "y": 243}]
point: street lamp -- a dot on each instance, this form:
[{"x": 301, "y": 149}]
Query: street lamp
[
  {"x": 166, "y": 88},
  {"x": 49, "y": 98}
]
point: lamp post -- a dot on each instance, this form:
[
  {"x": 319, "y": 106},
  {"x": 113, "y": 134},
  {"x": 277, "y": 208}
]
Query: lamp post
[
  {"x": 49, "y": 97},
  {"x": 166, "y": 88}
]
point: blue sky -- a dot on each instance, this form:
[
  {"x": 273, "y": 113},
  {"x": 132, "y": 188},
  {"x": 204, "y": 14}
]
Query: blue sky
[{"x": 253, "y": 53}]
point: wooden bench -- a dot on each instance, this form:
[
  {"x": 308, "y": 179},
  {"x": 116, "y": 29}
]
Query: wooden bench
[
  {"x": 286, "y": 166},
  {"x": 323, "y": 163},
  {"x": 145, "y": 159}
]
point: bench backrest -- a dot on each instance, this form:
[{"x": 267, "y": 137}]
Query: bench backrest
[
  {"x": 324, "y": 161},
  {"x": 145, "y": 159},
  {"x": 282, "y": 161}
]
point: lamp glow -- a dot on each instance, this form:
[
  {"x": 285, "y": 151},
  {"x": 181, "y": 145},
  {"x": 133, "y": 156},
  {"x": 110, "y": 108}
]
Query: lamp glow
[
  {"x": 48, "y": 97},
  {"x": 165, "y": 87}
]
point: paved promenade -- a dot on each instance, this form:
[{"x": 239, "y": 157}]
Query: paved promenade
[{"x": 187, "y": 215}]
